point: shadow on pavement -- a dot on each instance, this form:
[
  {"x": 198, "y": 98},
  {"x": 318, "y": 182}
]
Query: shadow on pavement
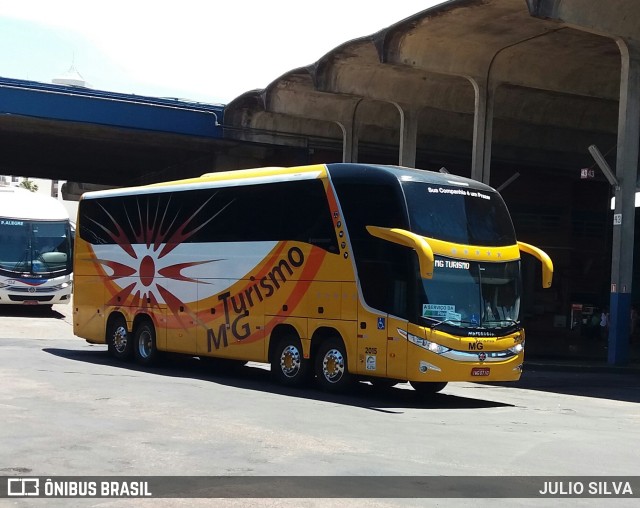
[
  {"x": 30, "y": 311},
  {"x": 248, "y": 377},
  {"x": 583, "y": 380}
]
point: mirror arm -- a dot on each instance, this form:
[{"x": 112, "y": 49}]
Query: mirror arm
[
  {"x": 547, "y": 264},
  {"x": 408, "y": 239}
]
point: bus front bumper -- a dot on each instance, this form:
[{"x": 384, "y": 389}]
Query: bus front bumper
[{"x": 461, "y": 366}]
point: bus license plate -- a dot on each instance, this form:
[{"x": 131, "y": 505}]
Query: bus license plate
[{"x": 480, "y": 371}]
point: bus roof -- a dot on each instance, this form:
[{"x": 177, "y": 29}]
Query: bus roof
[
  {"x": 354, "y": 171},
  {"x": 220, "y": 179},
  {"x": 16, "y": 203},
  {"x": 278, "y": 174}
]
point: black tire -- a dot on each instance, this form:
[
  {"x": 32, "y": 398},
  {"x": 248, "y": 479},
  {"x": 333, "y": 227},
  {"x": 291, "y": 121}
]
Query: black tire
[
  {"x": 144, "y": 341},
  {"x": 331, "y": 366},
  {"x": 427, "y": 389},
  {"x": 288, "y": 365},
  {"x": 119, "y": 339}
]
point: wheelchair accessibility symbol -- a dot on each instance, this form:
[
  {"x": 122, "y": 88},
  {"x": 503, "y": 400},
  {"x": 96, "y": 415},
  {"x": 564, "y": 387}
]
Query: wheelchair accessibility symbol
[{"x": 381, "y": 323}]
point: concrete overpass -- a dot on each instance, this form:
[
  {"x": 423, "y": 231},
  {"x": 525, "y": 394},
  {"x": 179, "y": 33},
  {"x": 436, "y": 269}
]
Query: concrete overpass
[
  {"x": 73, "y": 133},
  {"x": 491, "y": 89}
]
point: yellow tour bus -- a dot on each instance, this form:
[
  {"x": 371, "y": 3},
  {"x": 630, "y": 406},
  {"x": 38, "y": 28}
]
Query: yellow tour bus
[{"x": 333, "y": 271}]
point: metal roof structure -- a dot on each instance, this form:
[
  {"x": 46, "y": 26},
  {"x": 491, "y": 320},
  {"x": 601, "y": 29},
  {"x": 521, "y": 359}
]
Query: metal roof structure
[
  {"x": 481, "y": 86},
  {"x": 545, "y": 84}
]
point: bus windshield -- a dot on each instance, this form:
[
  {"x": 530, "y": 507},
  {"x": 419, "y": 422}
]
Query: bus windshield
[
  {"x": 458, "y": 214},
  {"x": 468, "y": 294},
  {"x": 34, "y": 248}
]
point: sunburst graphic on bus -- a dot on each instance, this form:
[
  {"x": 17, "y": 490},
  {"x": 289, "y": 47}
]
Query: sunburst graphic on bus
[{"x": 142, "y": 273}]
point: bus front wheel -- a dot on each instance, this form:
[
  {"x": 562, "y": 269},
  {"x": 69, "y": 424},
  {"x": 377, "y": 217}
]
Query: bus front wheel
[
  {"x": 118, "y": 338},
  {"x": 426, "y": 389},
  {"x": 288, "y": 365},
  {"x": 332, "y": 372},
  {"x": 145, "y": 349}
]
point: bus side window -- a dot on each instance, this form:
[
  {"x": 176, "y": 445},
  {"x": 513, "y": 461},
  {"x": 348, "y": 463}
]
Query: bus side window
[
  {"x": 296, "y": 211},
  {"x": 307, "y": 215},
  {"x": 384, "y": 269}
]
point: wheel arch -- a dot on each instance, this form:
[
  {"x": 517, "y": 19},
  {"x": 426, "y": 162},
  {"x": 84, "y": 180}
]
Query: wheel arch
[
  {"x": 280, "y": 331},
  {"x": 324, "y": 333},
  {"x": 140, "y": 318}
]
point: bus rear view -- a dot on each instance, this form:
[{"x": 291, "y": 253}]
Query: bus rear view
[{"x": 35, "y": 249}]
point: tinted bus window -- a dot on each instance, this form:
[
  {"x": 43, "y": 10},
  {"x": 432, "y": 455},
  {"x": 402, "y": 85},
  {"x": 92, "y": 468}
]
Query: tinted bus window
[
  {"x": 458, "y": 214},
  {"x": 34, "y": 247},
  {"x": 384, "y": 269},
  {"x": 296, "y": 210}
]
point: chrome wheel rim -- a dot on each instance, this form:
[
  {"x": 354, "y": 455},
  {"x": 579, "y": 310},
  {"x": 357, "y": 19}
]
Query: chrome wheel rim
[
  {"x": 120, "y": 339},
  {"x": 333, "y": 366},
  {"x": 144, "y": 344},
  {"x": 290, "y": 361}
]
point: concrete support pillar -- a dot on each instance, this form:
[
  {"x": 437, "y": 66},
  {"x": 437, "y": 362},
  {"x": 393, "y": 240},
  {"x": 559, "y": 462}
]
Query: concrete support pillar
[
  {"x": 624, "y": 218},
  {"x": 408, "y": 136},
  {"x": 349, "y": 127},
  {"x": 482, "y": 130},
  {"x": 349, "y": 141}
]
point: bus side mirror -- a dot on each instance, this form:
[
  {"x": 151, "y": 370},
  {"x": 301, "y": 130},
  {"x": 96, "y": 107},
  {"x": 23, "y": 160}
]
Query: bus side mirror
[
  {"x": 408, "y": 239},
  {"x": 547, "y": 264},
  {"x": 54, "y": 257}
]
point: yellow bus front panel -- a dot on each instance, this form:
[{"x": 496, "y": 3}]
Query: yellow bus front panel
[{"x": 435, "y": 356}]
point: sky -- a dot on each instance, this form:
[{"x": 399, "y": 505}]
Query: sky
[{"x": 208, "y": 51}]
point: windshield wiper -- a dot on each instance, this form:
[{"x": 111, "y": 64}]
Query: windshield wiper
[
  {"x": 507, "y": 320},
  {"x": 471, "y": 324},
  {"x": 21, "y": 264},
  {"x": 450, "y": 321}
]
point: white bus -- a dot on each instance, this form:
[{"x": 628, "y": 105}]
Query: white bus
[{"x": 35, "y": 249}]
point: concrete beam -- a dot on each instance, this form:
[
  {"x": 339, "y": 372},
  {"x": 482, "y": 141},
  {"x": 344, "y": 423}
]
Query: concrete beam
[
  {"x": 482, "y": 130},
  {"x": 408, "y": 135},
  {"x": 611, "y": 17}
]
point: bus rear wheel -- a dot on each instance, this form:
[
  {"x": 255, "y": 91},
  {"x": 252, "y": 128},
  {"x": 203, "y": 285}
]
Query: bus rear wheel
[
  {"x": 145, "y": 349},
  {"x": 332, "y": 372},
  {"x": 288, "y": 365},
  {"x": 118, "y": 338},
  {"x": 427, "y": 389}
]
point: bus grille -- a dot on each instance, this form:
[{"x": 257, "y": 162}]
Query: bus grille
[
  {"x": 31, "y": 289},
  {"x": 27, "y": 298}
]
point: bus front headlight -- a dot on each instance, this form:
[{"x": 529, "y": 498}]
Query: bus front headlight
[
  {"x": 436, "y": 348},
  {"x": 517, "y": 349},
  {"x": 431, "y": 346}
]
